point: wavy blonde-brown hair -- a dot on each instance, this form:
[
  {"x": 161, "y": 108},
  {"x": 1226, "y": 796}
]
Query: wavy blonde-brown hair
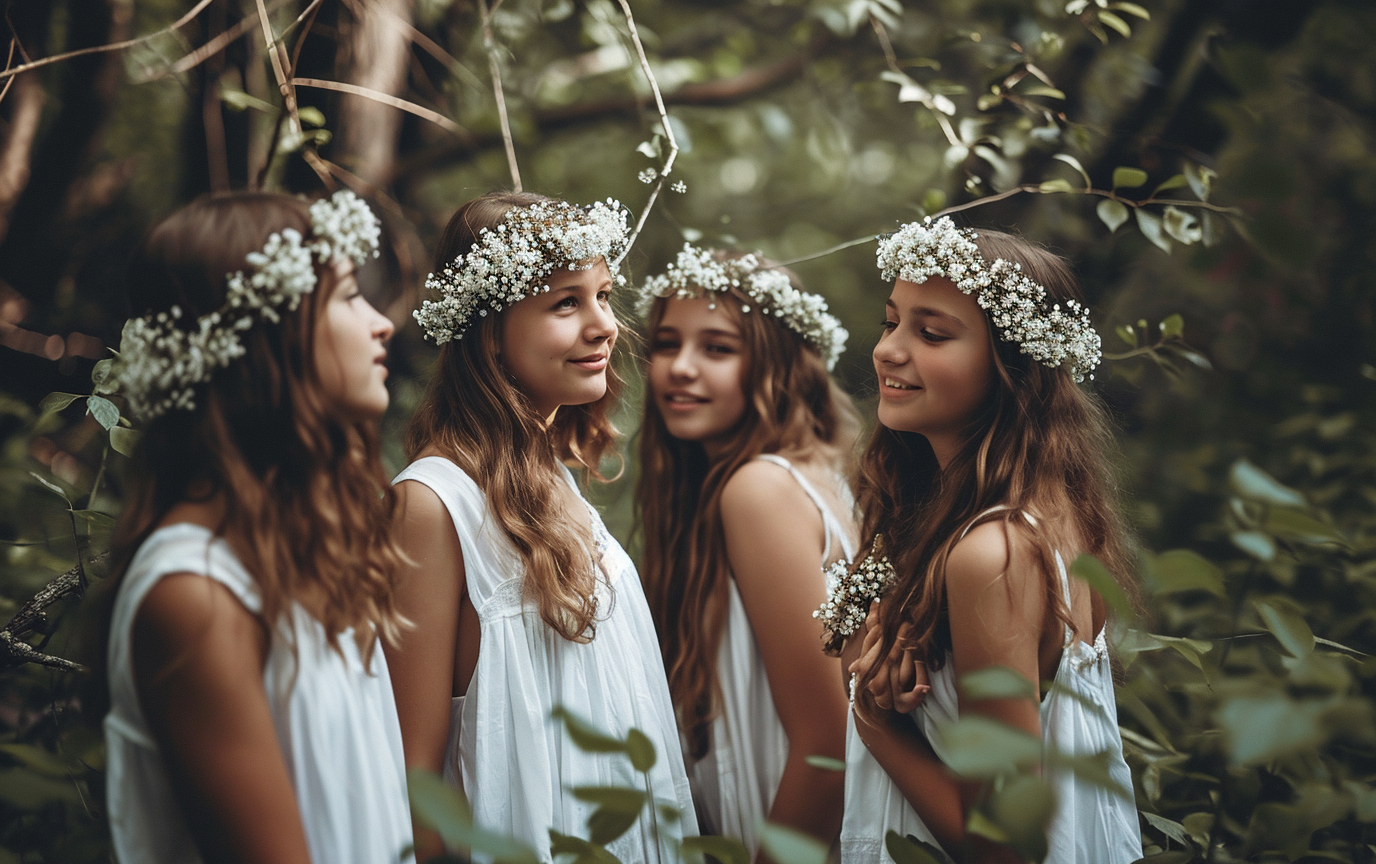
[
  {"x": 307, "y": 502},
  {"x": 474, "y": 415},
  {"x": 1038, "y": 449},
  {"x": 792, "y": 403}
]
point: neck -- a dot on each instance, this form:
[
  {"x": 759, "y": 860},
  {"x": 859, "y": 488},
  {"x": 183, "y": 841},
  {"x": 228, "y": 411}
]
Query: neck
[{"x": 944, "y": 448}]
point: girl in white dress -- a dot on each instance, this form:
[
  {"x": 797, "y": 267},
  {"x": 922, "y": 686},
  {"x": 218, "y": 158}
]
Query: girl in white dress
[
  {"x": 522, "y": 600},
  {"x": 743, "y": 497},
  {"x": 987, "y": 474},
  {"x": 251, "y": 714}
]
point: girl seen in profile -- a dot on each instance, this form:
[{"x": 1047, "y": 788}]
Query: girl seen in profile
[
  {"x": 252, "y": 717},
  {"x": 744, "y": 497},
  {"x": 522, "y": 600},
  {"x": 986, "y": 475}
]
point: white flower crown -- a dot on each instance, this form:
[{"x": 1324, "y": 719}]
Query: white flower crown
[
  {"x": 697, "y": 271},
  {"x": 850, "y": 591},
  {"x": 512, "y": 262},
  {"x": 160, "y": 363},
  {"x": 1054, "y": 334}
]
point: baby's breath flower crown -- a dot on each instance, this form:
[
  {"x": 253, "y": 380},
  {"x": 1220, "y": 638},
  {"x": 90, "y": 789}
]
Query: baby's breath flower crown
[
  {"x": 849, "y": 592},
  {"x": 1054, "y": 334},
  {"x": 697, "y": 271},
  {"x": 512, "y": 262},
  {"x": 160, "y": 363}
]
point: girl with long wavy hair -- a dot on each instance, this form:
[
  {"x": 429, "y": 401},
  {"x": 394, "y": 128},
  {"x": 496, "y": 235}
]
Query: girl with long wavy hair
[
  {"x": 251, "y": 717},
  {"x": 744, "y": 497},
  {"x": 988, "y": 472},
  {"x": 523, "y": 601}
]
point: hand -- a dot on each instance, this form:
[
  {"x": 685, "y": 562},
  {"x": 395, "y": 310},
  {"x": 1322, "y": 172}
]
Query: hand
[{"x": 900, "y": 682}]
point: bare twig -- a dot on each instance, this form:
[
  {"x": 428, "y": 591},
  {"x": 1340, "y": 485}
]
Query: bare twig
[
  {"x": 32, "y": 618},
  {"x": 663, "y": 119},
  {"x": 276, "y": 52},
  {"x": 5, "y": 92},
  {"x": 882, "y": 33},
  {"x": 387, "y": 99},
  {"x": 113, "y": 46},
  {"x": 206, "y": 51},
  {"x": 494, "y": 65},
  {"x": 825, "y": 252}
]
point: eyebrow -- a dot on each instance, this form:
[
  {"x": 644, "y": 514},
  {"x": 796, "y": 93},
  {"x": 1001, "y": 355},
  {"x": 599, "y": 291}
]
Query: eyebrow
[
  {"x": 710, "y": 331},
  {"x": 929, "y": 312}
]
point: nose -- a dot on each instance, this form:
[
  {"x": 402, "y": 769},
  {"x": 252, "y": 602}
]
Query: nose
[
  {"x": 889, "y": 351},
  {"x": 683, "y": 367},
  {"x": 382, "y": 328},
  {"x": 601, "y": 323}
]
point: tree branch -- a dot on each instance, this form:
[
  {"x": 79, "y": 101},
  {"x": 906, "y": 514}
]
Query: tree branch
[
  {"x": 31, "y": 617},
  {"x": 495, "y": 67},
  {"x": 663, "y": 119},
  {"x": 410, "y": 107}
]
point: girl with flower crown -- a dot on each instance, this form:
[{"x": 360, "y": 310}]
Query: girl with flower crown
[
  {"x": 251, "y": 714},
  {"x": 523, "y": 602},
  {"x": 987, "y": 474},
  {"x": 744, "y": 498}
]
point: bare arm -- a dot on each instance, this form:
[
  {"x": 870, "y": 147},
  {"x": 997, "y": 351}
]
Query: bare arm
[
  {"x": 429, "y": 593},
  {"x": 198, "y": 670},
  {"x": 774, "y": 543}
]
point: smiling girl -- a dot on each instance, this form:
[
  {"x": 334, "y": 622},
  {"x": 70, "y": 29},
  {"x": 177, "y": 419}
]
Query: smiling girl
[
  {"x": 252, "y": 717},
  {"x": 523, "y": 602},
  {"x": 744, "y": 498},
  {"x": 987, "y": 474}
]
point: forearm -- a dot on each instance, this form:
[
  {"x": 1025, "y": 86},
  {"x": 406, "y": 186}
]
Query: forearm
[
  {"x": 809, "y": 799},
  {"x": 903, "y": 752}
]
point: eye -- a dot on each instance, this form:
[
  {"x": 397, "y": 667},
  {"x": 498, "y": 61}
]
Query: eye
[
  {"x": 887, "y": 324},
  {"x": 719, "y": 348},
  {"x": 934, "y": 337},
  {"x": 661, "y": 345},
  {"x": 604, "y": 296},
  {"x": 568, "y": 302}
]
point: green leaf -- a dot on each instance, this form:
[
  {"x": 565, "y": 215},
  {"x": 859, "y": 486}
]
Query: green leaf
[
  {"x": 1249, "y": 481},
  {"x": 1058, "y": 185},
  {"x": 1093, "y": 573},
  {"x": 52, "y": 487},
  {"x": 1074, "y": 163},
  {"x": 57, "y": 401},
  {"x": 1260, "y": 728},
  {"x": 787, "y": 846},
  {"x": 438, "y": 806},
  {"x": 1111, "y": 20},
  {"x": 1201, "y": 180},
  {"x": 1023, "y": 809},
  {"x": 105, "y": 411},
  {"x": 933, "y": 201},
  {"x": 1183, "y": 570},
  {"x": 100, "y": 376},
  {"x": 1131, "y": 9},
  {"x": 1289, "y": 628},
  {"x": 1150, "y": 225},
  {"x": 826, "y": 763},
  {"x": 1173, "y": 183},
  {"x": 976, "y": 746},
  {"x": 1182, "y": 226},
  {"x": 980, "y": 824},
  {"x": 727, "y": 850},
  {"x": 622, "y": 799},
  {"x": 1173, "y": 327},
  {"x": 996, "y": 682},
  {"x": 583, "y": 851},
  {"x": 1128, "y": 178},
  {"x": 1112, "y": 213},
  {"x": 641, "y": 750},
  {"x": 37, "y": 759},
  {"x": 1169, "y": 827},
  {"x": 585, "y": 735},
  {"x": 1298, "y": 525},
  {"x": 1260, "y": 546},
  {"x": 910, "y": 850},
  {"x": 124, "y": 440},
  {"x": 1127, "y": 333},
  {"x": 311, "y": 116},
  {"x": 1042, "y": 90},
  {"x": 26, "y": 790}
]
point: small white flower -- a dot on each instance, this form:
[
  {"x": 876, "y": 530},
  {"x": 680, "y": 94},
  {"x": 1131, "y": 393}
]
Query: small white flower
[
  {"x": 679, "y": 186},
  {"x": 851, "y": 589},
  {"x": 649, "y": 175}
]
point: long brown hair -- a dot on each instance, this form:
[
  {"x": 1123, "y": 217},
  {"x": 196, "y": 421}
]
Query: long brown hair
[
  {"x": 475, "y": 416},
  {"x": 792, "y": 403},
  {"x": 307, "y": 505},
  {"x": 1037, "y": 450}
]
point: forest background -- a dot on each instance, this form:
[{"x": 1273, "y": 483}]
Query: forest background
[{"x": 1205, "y": 164}]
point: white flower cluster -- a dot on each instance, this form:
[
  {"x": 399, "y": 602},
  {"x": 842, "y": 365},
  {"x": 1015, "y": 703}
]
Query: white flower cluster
[
  {"x": 511, "y": 263},
  {"x": 160, "y": 363},
  {"x": 697, "y": 271},
  {"x": 850, "y": 591},
  {"x": 1054, "y": 334}
]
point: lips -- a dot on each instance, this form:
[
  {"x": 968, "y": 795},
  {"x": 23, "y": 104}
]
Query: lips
[
  {"x": 592, "y": 362},
  {"x": 889, "y": 383},
  {"x": 677, "y": 400}
]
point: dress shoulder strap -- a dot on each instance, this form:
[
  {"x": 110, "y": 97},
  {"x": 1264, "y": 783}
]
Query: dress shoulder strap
[{"x": 831, "y": 525}]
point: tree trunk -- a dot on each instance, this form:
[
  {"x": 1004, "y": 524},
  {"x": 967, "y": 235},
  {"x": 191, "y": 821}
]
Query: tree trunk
[{"x": 377, "y": 58}]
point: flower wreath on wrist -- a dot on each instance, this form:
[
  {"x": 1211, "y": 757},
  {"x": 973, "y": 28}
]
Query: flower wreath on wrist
[
  {"x": 697, "y": 272},
  {"x": 850, "y": 590},
  {"x": 160, "y": 363},
  {"x": 512, "y": 262},
  {"x": 1054, "y": 334}
]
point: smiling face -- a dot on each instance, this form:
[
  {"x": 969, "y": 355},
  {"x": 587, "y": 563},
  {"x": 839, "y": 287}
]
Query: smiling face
[
  {"x": 351, "y": 347},
  {"x": 557, "y": 345},
  {"x": 934, "y": 362},
  {"x": 697, "y": 369}
]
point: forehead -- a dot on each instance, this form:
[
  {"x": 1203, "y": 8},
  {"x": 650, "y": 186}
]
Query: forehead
[
  {"x": 938, "y": 294},
  {"x": 598, "y": 275},
  {"x": 687, "y": 314}
]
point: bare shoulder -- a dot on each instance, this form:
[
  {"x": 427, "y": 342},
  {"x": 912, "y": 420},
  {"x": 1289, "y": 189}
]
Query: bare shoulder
[
  {"x": 991, "y": 553},
  {"x": 419, "y": 505},
  {"x": 187, "y": 615},
  {"x": 760, "y": 487}
]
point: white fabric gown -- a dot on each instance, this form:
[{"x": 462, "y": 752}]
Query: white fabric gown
[
  {"x": 735, "y": 782},
  {"x": 516, "y": 765},
  {"x": 336, "y": 724},
  {"x": 1091, "y": 825}
]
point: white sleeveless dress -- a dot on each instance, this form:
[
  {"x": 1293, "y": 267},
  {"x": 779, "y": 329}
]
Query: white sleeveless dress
[
  {"x": 516, "y": 765},
  {"x": 735, "y": 782},
  {"x": 336, "y": 724},
  {"x": 1091, "y": 825}
]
